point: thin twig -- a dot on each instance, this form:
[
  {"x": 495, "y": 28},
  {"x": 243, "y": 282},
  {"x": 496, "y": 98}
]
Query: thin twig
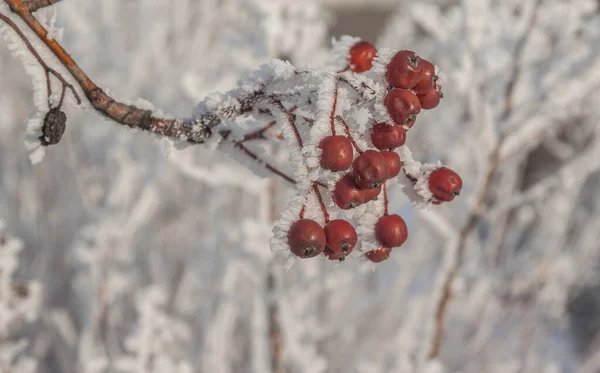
[
  {"x": 321, "y": 203},
  {"x": 47, "y": 69},
  {"x": 314, "y": 188},
  {"x": 385, "y": 200},
  {"x": 274, "y": 327},
  {"x": 472, "y": 223},
  {"x": 475, "y": 214},
  {"x": 516, "y": 67},
  {"x": 267, "y": 165},
  {"x": 357, "y": 89},
  {"x": 334, "y": 107},
  {"x": 349, "y": 134},
  {"x": 259, "y": 134},
  {"x": 310, "y": 121}
]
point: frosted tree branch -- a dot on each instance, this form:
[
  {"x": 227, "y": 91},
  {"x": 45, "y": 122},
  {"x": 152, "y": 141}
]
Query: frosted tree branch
[
  {"x": 195, "y": 131},
  {"x": 33, "y": 5}
]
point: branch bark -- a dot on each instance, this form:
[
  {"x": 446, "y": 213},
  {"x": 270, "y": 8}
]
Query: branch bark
[
  {"x": 196, "y": 130},
  {"x": 33, "y": 5}
]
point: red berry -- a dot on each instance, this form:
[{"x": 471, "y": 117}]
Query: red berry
[
  {"x": 427, "y": 79},
  {"x": 444, "y": 184},
  {"x": 332, "y": 255},
  {"x": 385, "y": 136},
  {"x": 393, "y": 162},
  {"x": 306, "y": 238},
  {"x": 361, "y": 56},
  {"x": 370, "y": 170},
  {"x": 346, "y": 195},
  {"x": 341, "y": 236},
  {"x": 431, "y": 98},
  {"x": 403, "y": 106},
  {"x": 379, "y": 255},
  {"x": 391, "y": 231},
  {"x": 370, "y": 194},
  {"x": 337, "y": 153},
  {"x": 404, "y": 70}
]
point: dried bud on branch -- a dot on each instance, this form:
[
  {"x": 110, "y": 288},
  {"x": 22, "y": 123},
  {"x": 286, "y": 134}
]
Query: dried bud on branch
[{"x": 54, "y": 126}]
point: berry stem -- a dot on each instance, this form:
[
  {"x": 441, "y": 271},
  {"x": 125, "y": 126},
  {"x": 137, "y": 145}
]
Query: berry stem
[
  {"x": 292, "y": 123},
  {"x": 314, "y": 188},
  {"x": 333, "y": 109},
  {"x": 385, "y": 199},
  {"x": 347, "y": 130},
  {"x": 320, "y": 198}
]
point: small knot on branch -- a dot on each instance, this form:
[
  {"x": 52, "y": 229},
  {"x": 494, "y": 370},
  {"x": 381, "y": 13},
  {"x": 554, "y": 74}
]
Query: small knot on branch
[{"x": 33, "y": 5}]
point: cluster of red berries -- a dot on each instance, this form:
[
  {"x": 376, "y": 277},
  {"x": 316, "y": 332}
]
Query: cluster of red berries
[{"x": 413, "y": 86}]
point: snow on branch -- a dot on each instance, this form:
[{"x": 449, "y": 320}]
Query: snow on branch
[{"x": 341, "y": 126}]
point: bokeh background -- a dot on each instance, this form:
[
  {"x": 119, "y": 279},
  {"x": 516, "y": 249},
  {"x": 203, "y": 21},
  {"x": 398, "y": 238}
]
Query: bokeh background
[{"x": 118, "y": 254}]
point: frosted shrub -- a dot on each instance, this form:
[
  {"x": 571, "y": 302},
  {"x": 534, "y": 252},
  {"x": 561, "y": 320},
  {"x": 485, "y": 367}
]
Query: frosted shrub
[{"x": 342, "y": 126}]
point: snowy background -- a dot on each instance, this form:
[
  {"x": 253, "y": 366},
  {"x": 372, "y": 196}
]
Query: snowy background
[{"x": 117, "y": 255}]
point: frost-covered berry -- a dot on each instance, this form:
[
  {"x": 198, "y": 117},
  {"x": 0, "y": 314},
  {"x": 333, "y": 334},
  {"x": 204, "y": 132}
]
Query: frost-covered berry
[
  {"x": 393, "y": 162},
  {"x": 337, "y": 153},
  {"x": 428, "y": 78},
  {"x": 391, "y": 230},
  {"x": 385, "y": 136},
  {"x": 444, "y": 184},
  {"x": 431, "y": 98},
  {"x": 341, "y": 236},
  {"x": 306, "y": 238},
  {"x": 346, "y": 195},
  {"x": 370, "y": 194},
  {"x": 403, "y": 106},
  {"x": 361, "y": 56},
  {"x": 404, "y": 70},
  {"x": 370, "y": 170},
  {"x": 379, "y": 255}
]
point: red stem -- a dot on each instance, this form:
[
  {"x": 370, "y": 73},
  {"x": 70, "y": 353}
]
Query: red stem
[
  {"x": 332, "y": 115},
  {"x": 347, "y": 130},
  {"x": 385, "y": 199},
  {"x": 315, "y": 183},
  {"x": 267, "y": 165},
  {"x": 323, "y": 207}
]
